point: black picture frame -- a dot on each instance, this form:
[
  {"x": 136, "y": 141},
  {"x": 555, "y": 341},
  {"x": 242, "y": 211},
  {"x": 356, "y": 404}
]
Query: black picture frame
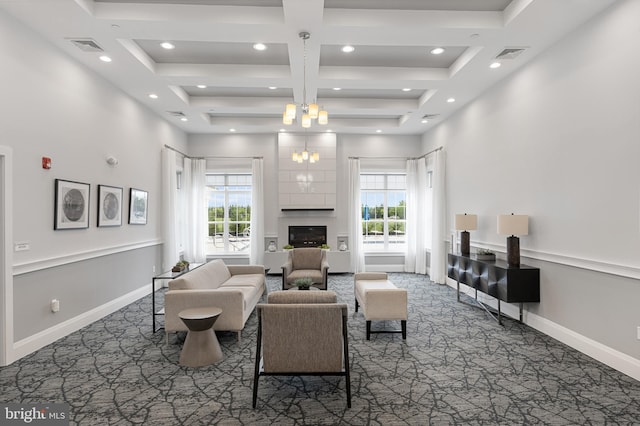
[
  {"x": 71, "y": 209},
  {"x": 138, "y": 206},
  {"x": 109, "y": 206}
]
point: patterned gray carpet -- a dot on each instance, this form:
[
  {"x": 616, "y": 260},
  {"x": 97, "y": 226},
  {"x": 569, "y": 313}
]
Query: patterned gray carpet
[{"x": 457, "y": 366}]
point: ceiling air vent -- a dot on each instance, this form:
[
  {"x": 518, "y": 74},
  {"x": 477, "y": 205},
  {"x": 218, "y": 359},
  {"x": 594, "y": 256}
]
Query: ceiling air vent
[
  {"x": 87, "y": 45},
  {"x": 179, "y": 114},
  {"x": 510, "y": 53}
]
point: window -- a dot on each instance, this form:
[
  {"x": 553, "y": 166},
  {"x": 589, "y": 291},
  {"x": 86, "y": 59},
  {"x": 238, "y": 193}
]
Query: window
[
  {"x": 383, "y": 206},
  {"x": 229, "y": 213}
]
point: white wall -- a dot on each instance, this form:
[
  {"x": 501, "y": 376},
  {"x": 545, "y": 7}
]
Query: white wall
[
  {"x": 266, "y": 146},
  {"x": 51, "y": 106},
  {"x": 559, "y": 141}
]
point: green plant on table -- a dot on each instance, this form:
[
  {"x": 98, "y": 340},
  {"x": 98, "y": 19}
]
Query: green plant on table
[
  {"x": 484, "y": 251},
  {"x": 325, "y": 246},
  {"x": 288, "y": 247},
  {"x": 302, "y": 283}
]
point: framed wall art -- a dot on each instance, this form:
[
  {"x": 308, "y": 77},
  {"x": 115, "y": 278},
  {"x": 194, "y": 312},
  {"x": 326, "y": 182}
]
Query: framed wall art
[
  {"x": 109, "y": 205},
  {"x": 71, "y": 209},
  {"x": 138, "y": 204}
]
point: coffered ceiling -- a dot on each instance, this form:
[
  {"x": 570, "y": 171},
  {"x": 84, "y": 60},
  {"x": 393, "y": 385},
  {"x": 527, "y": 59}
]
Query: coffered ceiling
[{"x": 388, "y": 84}]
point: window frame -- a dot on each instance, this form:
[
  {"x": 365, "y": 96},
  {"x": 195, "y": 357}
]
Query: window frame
[{"x": 388, "y": 244}]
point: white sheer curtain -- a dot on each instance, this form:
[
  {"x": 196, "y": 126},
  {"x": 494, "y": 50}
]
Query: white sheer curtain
[
  {"x": 438, "y": 251},
  {"x": 169, "y": 224},
  {"x": 416, "y": 255},
  {"x": 256, "y": 256},
  {"x": 194, "y": 210},
  {"x": 354, "y": 213}
]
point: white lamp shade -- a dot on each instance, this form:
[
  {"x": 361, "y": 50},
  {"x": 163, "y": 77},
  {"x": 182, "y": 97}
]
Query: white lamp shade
[
  {"x": 466, "y": 222},
  {"x": 323, "y": 117},
  {"x": 513, "y": 224},
  {"x": 290, "y": 111},
  {"x": 286, "y": 119},
  {"x": 313, "y": 111},
  {"x": 306, "y": 121}
]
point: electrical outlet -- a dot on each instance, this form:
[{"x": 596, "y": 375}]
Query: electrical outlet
[
  {"x": 55, "y": 305},
  {"x": 154, "y": 269},
  {"x": 21, "y": 246},
  {"x": 638, "y": 332}
]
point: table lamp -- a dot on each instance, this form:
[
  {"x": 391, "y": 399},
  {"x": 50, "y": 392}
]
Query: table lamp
[
  {"x": 512, "y": 225},
  {"x": 465, "y": 223}
]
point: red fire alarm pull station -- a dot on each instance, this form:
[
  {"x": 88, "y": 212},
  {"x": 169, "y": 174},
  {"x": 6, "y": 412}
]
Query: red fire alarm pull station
[{"x": 46, "y": 163}]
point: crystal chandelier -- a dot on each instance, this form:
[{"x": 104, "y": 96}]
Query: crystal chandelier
[{"x": 309, "y": 111}]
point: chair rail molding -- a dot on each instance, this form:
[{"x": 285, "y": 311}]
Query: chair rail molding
[
  {"x": 52, "y": 262},
  {"x": 606, "y": 267}
]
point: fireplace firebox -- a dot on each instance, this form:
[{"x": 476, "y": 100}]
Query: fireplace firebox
[{"x": 307, "y": 236}]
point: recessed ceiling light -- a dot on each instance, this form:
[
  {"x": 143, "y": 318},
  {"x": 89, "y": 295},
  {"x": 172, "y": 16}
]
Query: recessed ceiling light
[
  {"x": 337, "y": 88},
  {"x": 272, "y": 87},
  {"x": 184, "y": 119},
  {"x": 450, "y": 100},
  {"x": 282, "y": 130},
  {"x": 424, "y": 121},
  {"x": 105, "y": 58},
  {"x": 232, "y": 130},
  {"x": 329, "y": 130},
  {"x": 153, "y": 96},
  {"x": 202, "y": 86},
  {"x": 260, "y": 46},
  {"x": 495, "y": 65},
  {"x": 378, "y": 131},
  {"x": 167, "y": 45},
  {"x": 348, "y": 49},
  {"x": 406, "y": 89},
  {"x": 437, "y": 51}
]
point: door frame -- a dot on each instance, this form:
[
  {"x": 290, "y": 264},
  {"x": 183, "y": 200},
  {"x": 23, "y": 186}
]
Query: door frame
[{"x": 7, "y": 354}]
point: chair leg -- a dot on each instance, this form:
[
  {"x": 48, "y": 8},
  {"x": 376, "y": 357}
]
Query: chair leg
[
  {"x": 368, "y": 329},
  {"x": 357, "y": 305},
  {"x": 403, "y": 324}
]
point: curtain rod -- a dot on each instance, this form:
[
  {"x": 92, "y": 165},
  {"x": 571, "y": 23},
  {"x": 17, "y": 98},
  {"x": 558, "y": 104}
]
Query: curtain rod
[
  {"x": 207, "y": 158},
  {"x": 398, "y": 158}
]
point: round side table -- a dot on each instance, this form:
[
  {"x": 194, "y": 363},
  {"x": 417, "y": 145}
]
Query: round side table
[{"x": 201, "y": 346}]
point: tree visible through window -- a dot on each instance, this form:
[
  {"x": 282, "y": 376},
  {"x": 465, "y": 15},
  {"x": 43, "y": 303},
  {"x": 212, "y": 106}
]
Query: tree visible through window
[
  {"x": 229, "y": 213},
  {"x": 383, "y": 206}
]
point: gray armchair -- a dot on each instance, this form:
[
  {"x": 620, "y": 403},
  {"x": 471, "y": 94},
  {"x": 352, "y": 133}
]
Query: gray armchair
[
  {"x": 308, "y": 262},
  {"x": 302, "y": 333}
]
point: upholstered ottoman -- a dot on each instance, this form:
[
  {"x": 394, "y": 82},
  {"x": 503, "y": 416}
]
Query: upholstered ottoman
[{"x": 381, "y": 300}]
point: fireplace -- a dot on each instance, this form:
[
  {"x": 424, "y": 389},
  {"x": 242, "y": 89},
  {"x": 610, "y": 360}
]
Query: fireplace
[{"x": 307, "y": 236}]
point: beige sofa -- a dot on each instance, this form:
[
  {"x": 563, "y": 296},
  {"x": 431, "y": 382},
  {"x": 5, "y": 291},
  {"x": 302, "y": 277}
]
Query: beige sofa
[{"x": 236, "y": 289}]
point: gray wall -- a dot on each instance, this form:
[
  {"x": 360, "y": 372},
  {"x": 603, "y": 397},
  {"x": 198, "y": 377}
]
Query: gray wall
[
  {"x": 558, "y": 141},
  {"x": 52, "y": 106}
]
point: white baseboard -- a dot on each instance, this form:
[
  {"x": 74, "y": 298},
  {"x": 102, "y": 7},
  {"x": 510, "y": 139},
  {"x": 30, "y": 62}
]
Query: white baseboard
[
  {"x": 39, "y": 340},
  {"x": 606, "y": 355}
]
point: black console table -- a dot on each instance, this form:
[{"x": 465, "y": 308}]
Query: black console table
[{"x": 497, "y": 279}]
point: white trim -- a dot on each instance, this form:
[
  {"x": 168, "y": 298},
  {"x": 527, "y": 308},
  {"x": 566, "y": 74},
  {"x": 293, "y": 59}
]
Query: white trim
[
  {"x": 628, "y": 271},
  {"x": 596, "y": 350},
  {"x": 37, "y": 265},
  {"x": 6, "y": 281},
  {"x": 39, "y": 340}
]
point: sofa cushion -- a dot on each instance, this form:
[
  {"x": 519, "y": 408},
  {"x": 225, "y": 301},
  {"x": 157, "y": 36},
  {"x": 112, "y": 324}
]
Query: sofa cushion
[
  {"x": 244, "y": 280},
  {"x": 314, "y": 274},
  {"x": 208, "y": 276}
]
